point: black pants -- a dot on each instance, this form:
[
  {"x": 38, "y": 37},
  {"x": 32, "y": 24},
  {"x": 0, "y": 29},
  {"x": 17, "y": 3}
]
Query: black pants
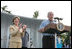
[
  {"x": 24, "y": 47},
  {"x": 48, "y": 42}
]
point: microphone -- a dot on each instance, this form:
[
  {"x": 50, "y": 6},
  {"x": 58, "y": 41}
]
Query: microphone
[
  {"x": 61, "y": 18},
  {"x": 58, "y": 18}
]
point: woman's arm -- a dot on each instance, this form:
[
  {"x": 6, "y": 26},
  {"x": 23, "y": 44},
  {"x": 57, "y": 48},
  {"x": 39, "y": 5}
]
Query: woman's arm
[
  {"x": 23, "y": 30},
  {"x": 13, "y": 31},
  {"x": 23, "y": 33}
]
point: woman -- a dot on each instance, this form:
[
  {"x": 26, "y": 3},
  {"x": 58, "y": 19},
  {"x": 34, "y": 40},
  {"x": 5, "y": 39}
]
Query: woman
[{"x": 16, "y": 32}]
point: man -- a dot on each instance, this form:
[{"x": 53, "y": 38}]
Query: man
[
  {"x": 46, "y": 39},
  {"x": 25, "y": 40},
  {"x": 46, "y": 22}
]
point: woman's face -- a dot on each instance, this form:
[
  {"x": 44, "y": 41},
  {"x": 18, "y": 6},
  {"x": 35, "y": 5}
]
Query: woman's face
[{"x": 16, "y": 21}]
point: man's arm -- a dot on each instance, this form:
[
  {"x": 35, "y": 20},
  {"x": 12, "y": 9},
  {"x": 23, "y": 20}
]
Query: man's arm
[{"x": 41, "y": 30}]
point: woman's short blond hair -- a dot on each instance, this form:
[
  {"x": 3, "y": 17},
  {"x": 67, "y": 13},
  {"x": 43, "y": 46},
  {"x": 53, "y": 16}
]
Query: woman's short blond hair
[{"x": 15, "y": 18}]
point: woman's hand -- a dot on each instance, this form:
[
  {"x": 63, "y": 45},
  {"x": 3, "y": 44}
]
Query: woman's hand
[
  {"x": 24, "y": 27},
  {"x": 20, "y": 26}
]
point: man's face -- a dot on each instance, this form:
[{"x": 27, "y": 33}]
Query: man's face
[{"x": 50, "y": 16}]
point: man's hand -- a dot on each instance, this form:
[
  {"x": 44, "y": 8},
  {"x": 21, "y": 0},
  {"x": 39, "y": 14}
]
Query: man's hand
[{"x": 41, "y": 30}]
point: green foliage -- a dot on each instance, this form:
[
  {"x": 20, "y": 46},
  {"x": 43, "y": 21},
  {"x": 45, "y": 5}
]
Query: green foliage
[
  {"x": 36, "y": 13},
  {"x": 4, "y": 9},
  {"x": 66, "y": 37}
]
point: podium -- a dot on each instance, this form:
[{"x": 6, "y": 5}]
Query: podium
[{"x": 50, "y": 41}]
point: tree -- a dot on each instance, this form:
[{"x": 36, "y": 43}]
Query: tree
[
  {"x": 4, "y": 9},
  {"x": 67, "y": 40},
  {"x": 63, "y": 36},
  {"x": 66, "y": 37},
  {"x": 36, "y": 13}
]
